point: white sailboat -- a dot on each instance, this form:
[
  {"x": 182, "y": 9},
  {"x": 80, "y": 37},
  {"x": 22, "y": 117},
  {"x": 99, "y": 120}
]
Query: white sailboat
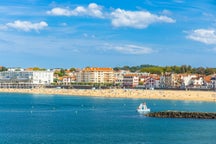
[{"x": 143, "y": 108}]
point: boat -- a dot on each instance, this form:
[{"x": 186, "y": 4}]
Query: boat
[{"x": 142, "y": 109}]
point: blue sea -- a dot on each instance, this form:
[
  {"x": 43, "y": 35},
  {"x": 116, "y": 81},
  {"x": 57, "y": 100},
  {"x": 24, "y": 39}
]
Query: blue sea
[{"x": 56, "y": 119}]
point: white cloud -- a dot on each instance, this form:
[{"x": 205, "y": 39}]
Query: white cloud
[
  {"x": 130, "y": 49},
  {"x": 92, "y": 10},
  {"x": 118, "y": 17},
  {"x": 137, "y": 19},
  {"x": 207, "y": 36},
  {"x": 26, "y": 25}
]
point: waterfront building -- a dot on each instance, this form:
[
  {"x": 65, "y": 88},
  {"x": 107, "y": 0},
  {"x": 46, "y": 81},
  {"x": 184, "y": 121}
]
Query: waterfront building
[
  {"x": 130, "y": 80},
  {"x": 197, "y": 82},
  {"x": 187, "y": 80},
  {"x": 66, "y": 80},
  {"x": 170, "y": 80},
  {"x": 24, "y": 79},
  {"x": 96, "y": 75},
  {"x": 149, "y": 82},
  {"x": 119, "y": 76},
  {"x": 207, "y": 82},
  {"x": 213, "y": 82},
  {"x": 15, "y": 69},
  {"x": 166, "y": 80}
]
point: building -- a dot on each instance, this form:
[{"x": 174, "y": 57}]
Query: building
[
  {"x": 197, "y": 82},
  {"x": 66, "y": 80},
  {"x": 25, "y": 79},
  {"x": 170, "y": 80},
  {"x": 130, "y": 81},
  {"x": 166, "y": 80},
  {"x": 119, "y": 76},
  {"x": 187, "y": 80},
  {"x": 96, "y": 75},
  {"x": 213, "y": 82}
]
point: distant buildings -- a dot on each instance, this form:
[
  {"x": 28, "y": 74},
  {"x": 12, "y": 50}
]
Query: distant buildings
[{"x": 30, "y": 78}]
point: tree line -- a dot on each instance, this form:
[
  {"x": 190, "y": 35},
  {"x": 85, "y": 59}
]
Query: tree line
[
  {"x": 148, "y": 68},
  {"x": 175, "y": 69}
]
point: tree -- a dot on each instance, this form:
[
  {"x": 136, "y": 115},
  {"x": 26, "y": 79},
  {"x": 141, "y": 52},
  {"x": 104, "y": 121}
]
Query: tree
[
  {"x": 62, "y": 72},
  {"x": 153, "y": 70},
  {"x": 200, "y": 70},
  {"x": 209, "y": 71},
  {"x": 72, "y": 69},
  {"x": 3, "y": 68},
  {"x": 35, "y": 68},
  {"x": 167, "y": 69}
]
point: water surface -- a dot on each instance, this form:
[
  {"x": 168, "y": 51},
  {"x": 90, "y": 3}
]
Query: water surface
[{"x": 33, "y": 119}]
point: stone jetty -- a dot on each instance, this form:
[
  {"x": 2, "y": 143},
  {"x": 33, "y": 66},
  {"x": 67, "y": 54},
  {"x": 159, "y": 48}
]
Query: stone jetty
[{"x": 179, "y": 114}]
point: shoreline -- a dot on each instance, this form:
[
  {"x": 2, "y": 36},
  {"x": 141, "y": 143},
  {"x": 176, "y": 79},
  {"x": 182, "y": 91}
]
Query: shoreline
[{"x": 207, "y": 96}]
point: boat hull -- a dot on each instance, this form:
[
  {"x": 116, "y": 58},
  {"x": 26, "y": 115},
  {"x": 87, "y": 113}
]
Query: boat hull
[{"x": 143, "y": 111}]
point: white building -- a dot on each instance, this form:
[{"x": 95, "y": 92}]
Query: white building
[
  {"x": 197, "y": 82},
  {"x": 26, "y": 77},
  {"x": 187, "y": 80},
  {"x": 15, "y": 69},
  {"x": 42, "y": 77}
]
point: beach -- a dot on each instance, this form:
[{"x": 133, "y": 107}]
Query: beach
[{"x": 209, "y": 96}]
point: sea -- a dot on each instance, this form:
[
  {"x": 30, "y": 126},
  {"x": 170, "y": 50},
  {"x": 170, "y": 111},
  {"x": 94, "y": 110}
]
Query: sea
[{"x": 58, "y": 119}]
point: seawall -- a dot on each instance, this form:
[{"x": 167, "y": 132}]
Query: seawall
[{"x": 176, "y": 114}]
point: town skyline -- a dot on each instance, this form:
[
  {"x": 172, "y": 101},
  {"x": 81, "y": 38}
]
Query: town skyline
[{"x": 100, "y": 33}]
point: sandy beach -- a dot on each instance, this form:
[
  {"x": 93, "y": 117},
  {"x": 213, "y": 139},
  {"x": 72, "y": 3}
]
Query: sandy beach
[{"x": 128, "y": 93}]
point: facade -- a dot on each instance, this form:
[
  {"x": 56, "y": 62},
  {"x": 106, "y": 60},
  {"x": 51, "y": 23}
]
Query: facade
[
  {"x": 152, "y": 83},
  {"x": 187, "y": 80},
  {"x": 149, "y": 82},
  {"x": 213, "y": 82},
  {"x": 66, "y": 80},
  {"x": 42, "y": 77},
  {"x": 166, "y": 80},
  {"x": 119, "y": 76},
  {"x": 197, "y": 82},
  {"x": 170, "y": 80},
  {"x": 130, "y": 81},
  {"x": 96, "y": 75}
]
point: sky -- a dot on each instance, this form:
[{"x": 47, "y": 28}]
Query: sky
[{"x": 107, "y": 33}]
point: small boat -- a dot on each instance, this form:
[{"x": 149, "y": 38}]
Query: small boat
[{"x": 143, "y": 108}]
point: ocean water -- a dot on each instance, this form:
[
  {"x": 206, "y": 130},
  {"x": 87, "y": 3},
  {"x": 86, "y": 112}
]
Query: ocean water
[{"x": 46, "y": 119}]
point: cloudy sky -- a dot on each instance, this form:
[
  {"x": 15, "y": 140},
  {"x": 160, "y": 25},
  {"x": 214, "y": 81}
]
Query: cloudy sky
[{"x": 109, "y": 33}]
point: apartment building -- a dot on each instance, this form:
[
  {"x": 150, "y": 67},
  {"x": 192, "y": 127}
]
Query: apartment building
[
  {"x": 130, "y": 80},
  {"x": 96, "y": 75}
]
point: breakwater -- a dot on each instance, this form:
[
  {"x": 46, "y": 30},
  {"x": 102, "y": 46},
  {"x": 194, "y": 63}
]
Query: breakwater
[{"x": 176, "y": 114}]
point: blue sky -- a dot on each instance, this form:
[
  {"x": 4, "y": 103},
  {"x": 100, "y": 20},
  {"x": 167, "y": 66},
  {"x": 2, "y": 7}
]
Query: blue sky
[{"x": 107, "y": 33}]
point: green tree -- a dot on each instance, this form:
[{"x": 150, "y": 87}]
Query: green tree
[
  {"x": 209, "y": 71},
  {"x": 72, "y": 69},
  {"x": 3, "y": 68}
]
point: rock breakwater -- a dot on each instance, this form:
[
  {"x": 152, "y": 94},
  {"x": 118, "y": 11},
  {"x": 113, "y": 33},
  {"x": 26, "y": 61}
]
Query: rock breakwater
[{"x": 176, "y": 114}]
